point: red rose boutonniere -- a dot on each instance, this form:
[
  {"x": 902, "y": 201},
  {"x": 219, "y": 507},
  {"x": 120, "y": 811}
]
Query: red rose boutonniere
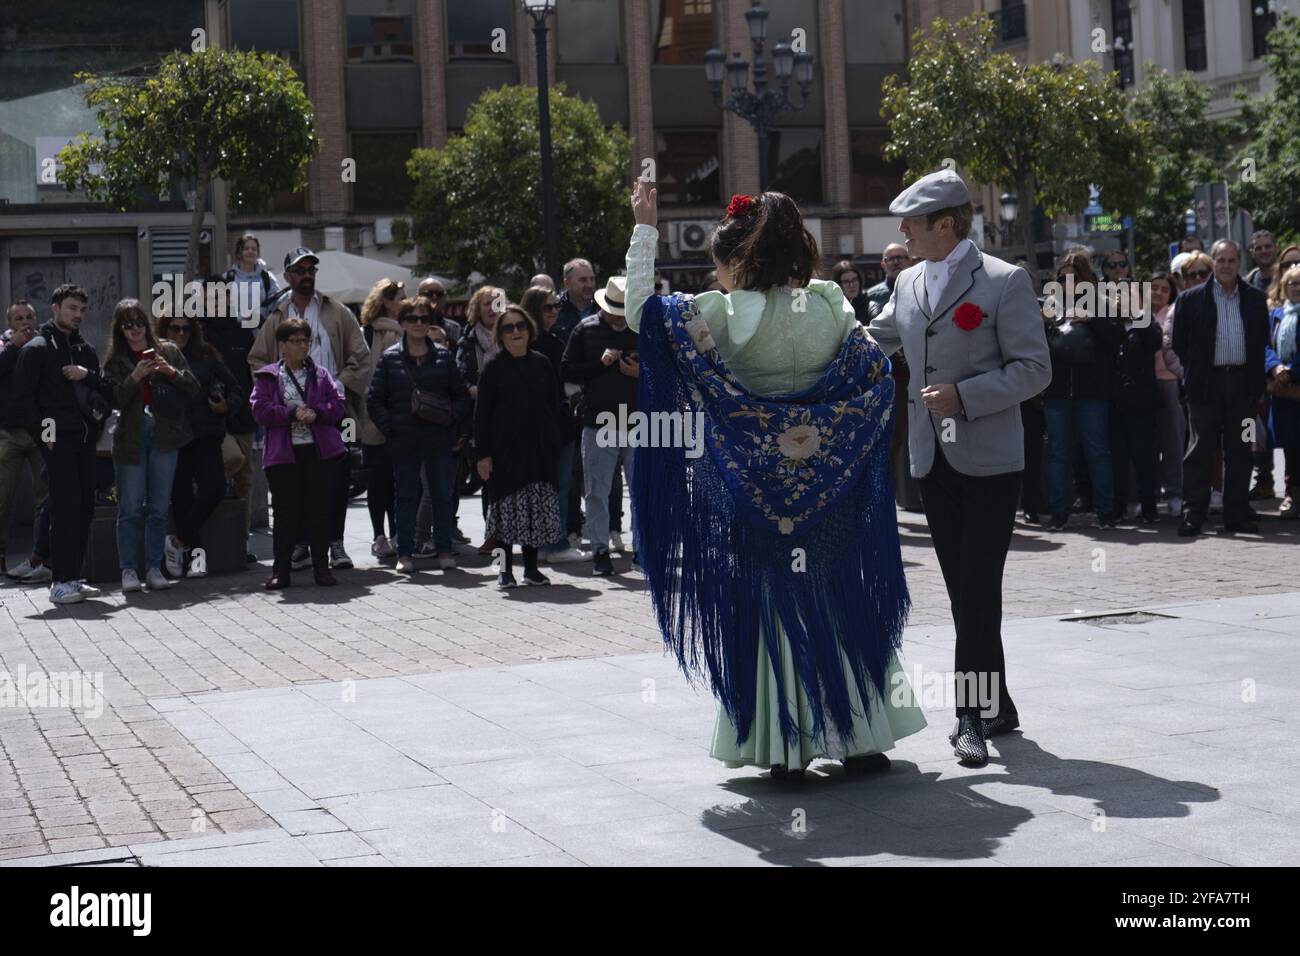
[
  {"x": 968, "y": 316},
  {"x": 739, "y": 206}
]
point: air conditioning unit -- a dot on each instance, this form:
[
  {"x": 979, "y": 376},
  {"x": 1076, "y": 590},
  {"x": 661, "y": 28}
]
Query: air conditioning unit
[{"x": 689, "y": 235}]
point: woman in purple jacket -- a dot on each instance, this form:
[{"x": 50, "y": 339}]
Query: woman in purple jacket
[{"x": 300, "y": 405}]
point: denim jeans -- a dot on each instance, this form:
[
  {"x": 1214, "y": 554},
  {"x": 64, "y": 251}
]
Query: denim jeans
[
  {"x": 1090, "y": 417},
  {"x": 437, "y": 465},
  {"x": 600, "y": 465},
  {"x": 563, "y": 485},
  {"x": 144, "y": 494}
]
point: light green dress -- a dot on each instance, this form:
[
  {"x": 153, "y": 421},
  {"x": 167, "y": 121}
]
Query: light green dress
[{"x": 777, "y": 342}]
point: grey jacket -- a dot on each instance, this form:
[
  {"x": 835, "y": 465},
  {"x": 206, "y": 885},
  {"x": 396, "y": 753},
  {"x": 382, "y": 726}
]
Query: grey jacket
[{"x": 997, "y": 365}]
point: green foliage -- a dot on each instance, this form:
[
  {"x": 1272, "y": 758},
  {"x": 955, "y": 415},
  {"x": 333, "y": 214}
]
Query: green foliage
[
  {"x": 1050, "y": 130},
  {"x": 478, "y": 200},
  {"x": 243, "y": 117},
  {"x": 1273, "y": 197},
  {"x": 1186, "y": 148}
]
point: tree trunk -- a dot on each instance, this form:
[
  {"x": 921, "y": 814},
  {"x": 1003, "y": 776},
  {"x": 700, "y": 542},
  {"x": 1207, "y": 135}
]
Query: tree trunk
[
  {"x": 196, "y": 222},
  {"x": 1026, "y": 188}
]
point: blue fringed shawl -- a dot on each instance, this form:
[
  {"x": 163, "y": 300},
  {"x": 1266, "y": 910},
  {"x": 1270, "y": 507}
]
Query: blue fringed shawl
[{"x": 787, "y": 517}]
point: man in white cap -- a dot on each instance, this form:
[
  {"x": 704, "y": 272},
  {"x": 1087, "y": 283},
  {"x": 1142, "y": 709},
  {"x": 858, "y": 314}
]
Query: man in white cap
[
  {"x": 601, "y": 356},
  {"x": 971, "y": 327}
]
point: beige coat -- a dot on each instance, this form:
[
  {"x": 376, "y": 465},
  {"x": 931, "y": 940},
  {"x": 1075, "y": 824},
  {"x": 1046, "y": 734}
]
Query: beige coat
[{"x": 387, "y": 332}]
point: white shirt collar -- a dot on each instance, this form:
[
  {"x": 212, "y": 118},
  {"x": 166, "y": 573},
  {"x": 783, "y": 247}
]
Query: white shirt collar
[{"x": 938, "y": 273}]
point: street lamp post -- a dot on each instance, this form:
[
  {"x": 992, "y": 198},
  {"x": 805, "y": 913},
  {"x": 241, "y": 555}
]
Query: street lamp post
[
  {"x": 539, "y": 10},
  {"x": 761, "y": 107},
  {"x": 1010, "y": 204}
]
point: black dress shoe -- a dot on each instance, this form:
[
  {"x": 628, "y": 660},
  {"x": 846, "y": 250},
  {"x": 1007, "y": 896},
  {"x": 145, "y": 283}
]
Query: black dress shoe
[
  {"x": 601, "y": 565},
  {"x": 1057, "y": 522},
  {"x": 277, "y": 582},
  {"x": 325, "y": 578},
  {"x": 1001, "y": 724},
  {"x": 1031, "y": 517},
  {"x": 779, "y": 772},
  {"x": 967, "y": 740},
  {"x": 1188, "y": 530},
  {"x": 866, "y": 763},
  {"x": 1241, "y": 527}
]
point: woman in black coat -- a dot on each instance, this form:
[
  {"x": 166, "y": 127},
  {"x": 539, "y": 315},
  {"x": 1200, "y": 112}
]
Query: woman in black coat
[
  {"x": 517, "y": 438},
  {"x": 200, "y": 468}
]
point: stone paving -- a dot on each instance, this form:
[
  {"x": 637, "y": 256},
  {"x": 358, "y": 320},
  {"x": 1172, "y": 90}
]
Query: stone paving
[{"x": 217, "y": 697}]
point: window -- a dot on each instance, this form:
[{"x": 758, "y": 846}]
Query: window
[
  {"x": 872, "y": 180},
  {"x": 1263, "y": 19},
  {"x": 794, "y": 158},
  {"x": 683, "y": 30},
  {"x": 382, "y": 183},
  {"x": 873, "y": 31},
  {"x": 472, "y": 27},
  {"x": 588, "y": 31},
  {"x": 1010, "y": 21},
  {"x": 379, "y": 30},
  {"x": 1194, "y": 45},
  {"x": 42, "y": 107},
  {"x": 270, "y": 26},
  {"x": 687, "y": 165},
  {"x": 1121, "y": 19}
]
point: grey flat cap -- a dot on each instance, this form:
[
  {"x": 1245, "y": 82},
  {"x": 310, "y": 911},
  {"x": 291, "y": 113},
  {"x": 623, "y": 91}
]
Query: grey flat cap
[{"x": 941, "y": 190}]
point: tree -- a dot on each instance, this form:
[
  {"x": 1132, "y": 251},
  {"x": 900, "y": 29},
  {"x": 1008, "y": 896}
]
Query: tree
[
  {"x": 242, "y": 117},
  {"x": 478, "y": 201},
  {"x": 1268, "y": 167},
  {"x": 1051, "y": 130},
  {"x": 1186, "y": 148}
]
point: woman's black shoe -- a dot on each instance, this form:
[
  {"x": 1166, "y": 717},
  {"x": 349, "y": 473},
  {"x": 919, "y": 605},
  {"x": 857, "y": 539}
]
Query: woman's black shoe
[
  {"x": 779, "y": 772},
  {"x": 1057, "y": 522},
  {"x": 1031, "y": 517},
  {"x": 325, "y": 578},
  {"x": 866, "y": 763},
  {"x": 536, "y": 578},
  {"x": 277, "y": 582},
  {"x": 506, "y": 581}
]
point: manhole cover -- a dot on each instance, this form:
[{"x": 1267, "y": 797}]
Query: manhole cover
[{"x": 1128, "y": 617}]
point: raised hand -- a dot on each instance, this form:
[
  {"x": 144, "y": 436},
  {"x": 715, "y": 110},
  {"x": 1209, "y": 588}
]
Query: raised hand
[{"x": 645, "y": 203}]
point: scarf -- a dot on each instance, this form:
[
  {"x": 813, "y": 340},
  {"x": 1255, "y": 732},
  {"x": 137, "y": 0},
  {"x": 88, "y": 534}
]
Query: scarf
[
  {"x": 1286, "y": 332},
  {"x": 486, "y": 344},
  {"x": 787, "y": 517}
]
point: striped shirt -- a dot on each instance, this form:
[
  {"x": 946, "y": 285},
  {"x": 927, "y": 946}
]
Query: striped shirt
[{"x": 1230, "y": 332}]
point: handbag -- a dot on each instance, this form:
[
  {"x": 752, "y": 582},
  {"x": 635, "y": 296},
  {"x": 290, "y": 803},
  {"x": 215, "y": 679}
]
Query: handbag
[
  {"x": 427, "y": 406},
  {"x": 1071, "y": 344},
  {"x": 94, "y": 407}
]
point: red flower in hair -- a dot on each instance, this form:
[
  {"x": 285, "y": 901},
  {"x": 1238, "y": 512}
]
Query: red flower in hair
[
  {"x": 968, "y": 316},
  {"x": 739, "y": 206}
]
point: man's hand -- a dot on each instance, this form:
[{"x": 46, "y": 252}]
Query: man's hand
[
  {"x": 942, "y": 400},
  {"x": 485, "y": 468},
  {"x": 645, "y": 204},
  {"x": 610, "y": 356},
  {"x": 631, "y": 367},
  {"x": 218, "y": 408},
  {"x": 21, "y": 336},
  {"x": 473, "y": 392},
  {"x": 1282, "y": 375},
  {"x": 74, "y": 373}
]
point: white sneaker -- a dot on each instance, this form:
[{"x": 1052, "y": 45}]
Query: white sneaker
[
  {"x": 88, "y": 591},
  {"x": 1216, "y": 502},
  {"x": 562, "y": 556},
  {"x": 382, "y": 548},
  {"x": 18, "y": 571},
  {"x": 130, "y": 581},
  {"x": 173, "y": 556},
  {"x": 155, "y": 581},
  {"x": 616, "y": 541},
  {"x": 1176, "y": 507},
  {"x": 66, "y": 592},
  {"x": 446, "y": 562},
  {"x": 38, "y": 575},
  {"x": 406, "y": 564}
]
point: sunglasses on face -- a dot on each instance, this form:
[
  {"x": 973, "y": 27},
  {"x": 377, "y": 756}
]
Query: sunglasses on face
[
  {"x": 303, "y": 271},
  {"x": 179, "y": 329},
  {"x": 1198, "y": 274},
  {"x": 896, "y": 259},
  {"x": 436, "y": 294},
  {"x": 423, "y": 318},
  {"x": 511, "y": 327},
  {"x": 133, "y": 324},
  {"x": 551, "y": 307},
  {"x": 1117, "y": 264},
  {"x": 297, "y": 340}
]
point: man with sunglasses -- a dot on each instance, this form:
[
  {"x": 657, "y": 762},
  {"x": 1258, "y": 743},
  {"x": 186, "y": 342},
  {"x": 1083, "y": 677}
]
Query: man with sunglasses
[
  {"x": 337, "y": 345},
  {"x": 1220, "y": 333},
  {"x": 431, "y": 289}
]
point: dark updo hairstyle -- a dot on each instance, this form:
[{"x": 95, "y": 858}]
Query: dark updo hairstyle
[{"x": 767, "y": 246}]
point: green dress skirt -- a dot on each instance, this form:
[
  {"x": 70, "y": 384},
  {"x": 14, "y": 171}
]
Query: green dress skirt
[{"x": 896, "y": 715}]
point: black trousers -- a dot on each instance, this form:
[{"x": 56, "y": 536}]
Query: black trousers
[
  {"x": 1223, "y": 414},
  {"x": 199, "y": 486},
  {"x": 1133, "y": 442},
  {"x": 70, "y": 470},
  {"x": 300, "y": 499},
  {"x": 380, "y": 488},
  {"x": 335, "y": 505},
  {"x": 970, "y": 520}
]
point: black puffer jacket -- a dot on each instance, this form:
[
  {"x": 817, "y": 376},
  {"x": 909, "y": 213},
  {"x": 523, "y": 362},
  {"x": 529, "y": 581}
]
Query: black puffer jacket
[
  {"x": 39, "y": 390},
  {"x": 1093, "y": 380},
  {"x": 233, "y": 341},
  {"x": 389, "y": 398},
  {"x": 204, "y": 422},
  {"x": 1135, "y": 368}
]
